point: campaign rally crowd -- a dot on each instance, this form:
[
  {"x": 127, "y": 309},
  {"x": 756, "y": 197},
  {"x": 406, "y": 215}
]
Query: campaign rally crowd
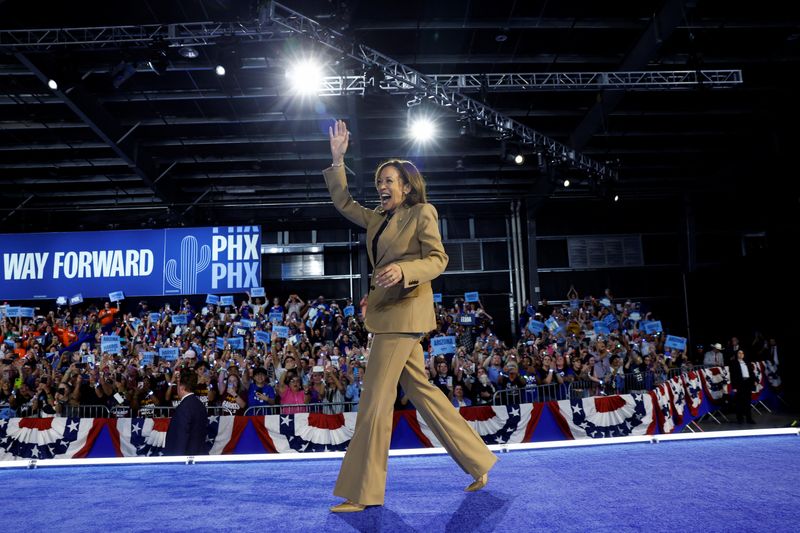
[{"x": 310, "y": 356}]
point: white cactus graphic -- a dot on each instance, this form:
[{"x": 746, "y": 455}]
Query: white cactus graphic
[{"x": 190, "y": 266}]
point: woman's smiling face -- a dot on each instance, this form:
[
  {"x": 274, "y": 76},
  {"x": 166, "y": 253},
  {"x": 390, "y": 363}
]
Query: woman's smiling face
[{"x": 391, "y": 188}]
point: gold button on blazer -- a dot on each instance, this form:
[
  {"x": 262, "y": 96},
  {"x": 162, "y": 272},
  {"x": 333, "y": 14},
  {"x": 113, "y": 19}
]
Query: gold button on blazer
[{"x": 412, "y": 241}]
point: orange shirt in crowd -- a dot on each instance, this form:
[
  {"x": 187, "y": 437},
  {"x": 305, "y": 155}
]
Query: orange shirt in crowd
[{"x": 106, "y": 316}]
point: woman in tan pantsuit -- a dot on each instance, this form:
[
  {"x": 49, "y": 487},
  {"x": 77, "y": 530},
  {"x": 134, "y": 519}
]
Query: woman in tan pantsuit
[{"x": 405, "y": 249}]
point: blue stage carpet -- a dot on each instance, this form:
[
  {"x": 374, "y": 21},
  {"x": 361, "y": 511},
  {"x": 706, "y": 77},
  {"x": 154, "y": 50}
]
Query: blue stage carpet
[{"x": 741, "y": 484}]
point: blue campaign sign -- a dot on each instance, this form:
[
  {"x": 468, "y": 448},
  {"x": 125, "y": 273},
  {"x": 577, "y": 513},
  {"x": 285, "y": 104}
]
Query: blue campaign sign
[
  {"x": 12, "y": 311},
  {"x": 212, "y": 299},
  {"x": 536, "y": 327},
  {"x": 155, "y": 317},
  {"x": 443, "y": 345},
  {"x": 226, "y": 300},
  {"x": 611, "y": 321},
  {"x": 169, "y": 354},
  {"x": 179, "y": 319},
  {"x": 605, "y": 302},
  {"x": 471, "y": 296},
  {"x": 26, "y": 312},
  {"x": 116, "y": 296},
  {"x": 551, "y": 323},
  {"x": 220, "y": 343},
  {"x": 653, "y": 327},
  {"x": 600, "y": 328},
  {"x": 276, "y": 317},
  {"x": 281, "y": 331},
  {"x": 237, "y": 343},
  {"x": 466, "y": 320},
  {"x": 110, "y": 344},
  {"x": 135, "y": 262},
  {"x": 437, "y": 297},
  {"x": 257, "y": 292},
  {"x": 247, "y": 323},
  {"x": 679, "y": 343},
  {"x": 147, "y": 358},
  {"x": 262, "y": 336},
  {"x": 77, "y": 299},
  {"x": 349, "y": 310}
]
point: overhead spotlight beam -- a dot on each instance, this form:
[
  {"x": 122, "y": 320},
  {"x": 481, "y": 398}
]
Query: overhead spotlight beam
[{"x": 462, "y": 105}]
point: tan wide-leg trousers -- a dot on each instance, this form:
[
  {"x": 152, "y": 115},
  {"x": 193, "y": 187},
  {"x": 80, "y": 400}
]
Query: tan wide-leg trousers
[{"x": 398, "y": 357}]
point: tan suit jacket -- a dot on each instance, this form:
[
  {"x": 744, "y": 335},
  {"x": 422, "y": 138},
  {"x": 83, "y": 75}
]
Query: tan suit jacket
[{"x": 412, "y": 241}]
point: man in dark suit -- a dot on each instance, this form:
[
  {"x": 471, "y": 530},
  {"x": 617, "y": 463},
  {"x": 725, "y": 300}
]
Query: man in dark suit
[
  {"x": 742, "y": 383},
  {"x": 189, "y": 425}
]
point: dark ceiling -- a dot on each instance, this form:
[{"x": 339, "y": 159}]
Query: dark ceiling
[{"x": 187, "y": 146}]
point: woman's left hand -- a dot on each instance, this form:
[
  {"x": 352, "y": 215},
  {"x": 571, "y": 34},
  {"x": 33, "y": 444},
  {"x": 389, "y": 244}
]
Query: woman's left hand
[{"x": 389, "y": 276}]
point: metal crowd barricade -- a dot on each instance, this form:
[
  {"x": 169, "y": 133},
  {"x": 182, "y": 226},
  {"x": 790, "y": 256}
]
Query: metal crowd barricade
[
  {"x": 329, "y": 408},
  {"x": 215, "y": 410},
  {"x": 93, "y": 411},
  {"x": 156, "y": 411},
  {"x": 528, "y": 394}
]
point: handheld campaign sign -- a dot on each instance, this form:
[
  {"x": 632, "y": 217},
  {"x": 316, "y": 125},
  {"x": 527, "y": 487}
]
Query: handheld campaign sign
[
  {"x": 116, "y": 296},
  {"x": 179, "y": 319},
  {"x": 443, "y": 345},
  {"x": 169, "y": 354},
  {"x": 601, "y": 329},
  {"x": 466, "y": 320},
  {"x": 276, "y": 317},
  {"x": 247, "y": 323},
  {"x": 611, "y": 322},
  {"x": 237, "y": 343},
  {"x": 262, "y": 336},
  {"x": 471, "y": 296},
  {"x": 605, "y": 302},
  {"x": 77, "y": 299},
  {"x": 349, "y": 310},
  {"x": 61, "y": 300},
  {"x": 147, "y": 358},
  {"x": 635, "y": 316},
  {"x": 281, "y": 331},
  {"x": 437, "y": 297},
  {"x": 220, "y": 343},
  {"x": 12, "y": 311},
  {"x": 551, "y": 323},
  {"x": 678, "y": 343},
  {"x": 110, "y": 344},
  {"x": 535, "y": 327},
  {"x": 26, "y": 312},
  {"x": 226, "y": 300},
  {"x": 212, "y": 299},
  {"x": 155, "y": 317},
  {"x": 257, "y": 292},
  {"x": 651, "y": 328}
]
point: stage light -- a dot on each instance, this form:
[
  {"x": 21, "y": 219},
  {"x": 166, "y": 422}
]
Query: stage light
[
  {"x": 566, "y": 183},
  {"x": 616, "y": 197},
  {"x": 220, "y": 70},
  {"x": 422, "y": 129},
  {"x": 519, "y": 159},
  {"x": 52, "y": 84},
  {"x": 189, "y": 52},
  {"x": 305, "y": 77}
]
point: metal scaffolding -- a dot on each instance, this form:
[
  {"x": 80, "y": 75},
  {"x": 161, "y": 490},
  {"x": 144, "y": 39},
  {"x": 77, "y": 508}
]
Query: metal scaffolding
[{"x": 544, "y": 81}]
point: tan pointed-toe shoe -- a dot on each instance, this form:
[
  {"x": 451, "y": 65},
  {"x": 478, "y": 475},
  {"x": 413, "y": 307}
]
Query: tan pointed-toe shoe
[
  {"x": 478, "y": 484},
  {"x": 348, "y": 507}
]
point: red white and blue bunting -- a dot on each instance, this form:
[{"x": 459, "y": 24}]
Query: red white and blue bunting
[
  {"x": 609, "y": 416},
  {"x": 716, "y": 382},
  {"x": 145, "y": 437},
  {"x": 678, "y": 393},
  {"x": 47, "y": 438},
  {"x": 664, "y": 408},
  {"x": 310, "y": 432},
  {"x": 498, "y": 424},
  {"x": 772, "y": 374},
  {"x": 694, "y": 391}
]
